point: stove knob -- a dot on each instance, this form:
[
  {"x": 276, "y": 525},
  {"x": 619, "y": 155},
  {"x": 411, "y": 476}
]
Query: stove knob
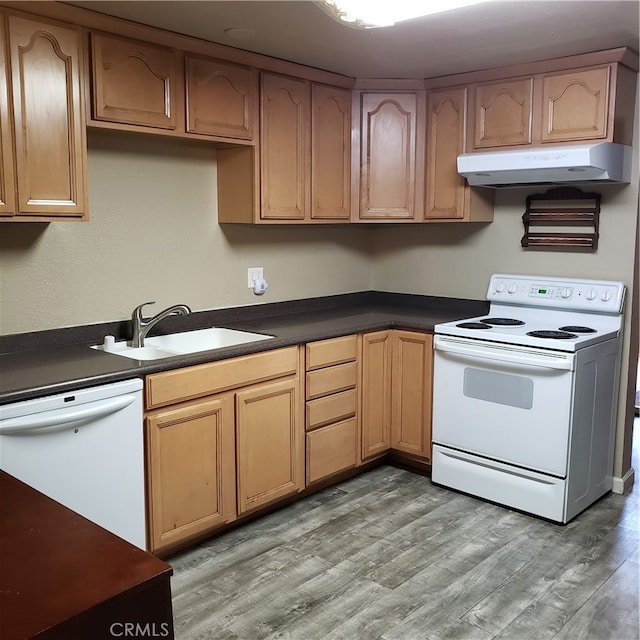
[
  {"x": 606, "y": 296},
  {"x": 591, "y": 294},
  {"x": 565, "y": 292},
  {"x": 499, "y": 288},
  {"x": 513, "y": 287}
]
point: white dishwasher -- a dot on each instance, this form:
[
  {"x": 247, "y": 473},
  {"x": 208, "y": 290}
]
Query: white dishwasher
[{"x": 84, "y": 449}]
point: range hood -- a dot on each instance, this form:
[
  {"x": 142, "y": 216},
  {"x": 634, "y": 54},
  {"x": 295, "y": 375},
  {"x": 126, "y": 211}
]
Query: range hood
[{"x": 601, "y": 162}]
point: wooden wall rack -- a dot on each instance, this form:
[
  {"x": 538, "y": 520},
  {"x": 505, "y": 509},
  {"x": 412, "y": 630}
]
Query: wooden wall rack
[{"x": 562, "y": 207}]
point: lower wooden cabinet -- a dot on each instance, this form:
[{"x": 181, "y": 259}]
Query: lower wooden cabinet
[
  {"x": 222, "y": 438},
  {"x": 332, "y": 407},
  {"x": 396, "y": 393},
  {"x": 332, "y": 449},
  {"x": 270, "y": 458},
  {"x": 411, "y": 387},
  {"x": 191, "y": 469}
]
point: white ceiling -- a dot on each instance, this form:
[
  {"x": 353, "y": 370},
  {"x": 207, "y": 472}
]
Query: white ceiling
[{"x": 490, "y": 35}]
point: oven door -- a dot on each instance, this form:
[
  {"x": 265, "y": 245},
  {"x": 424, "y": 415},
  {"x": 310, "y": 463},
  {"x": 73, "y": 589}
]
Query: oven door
[{"x": 503, "y": 402}]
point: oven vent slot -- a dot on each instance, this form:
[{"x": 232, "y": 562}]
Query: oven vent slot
[{"x": 564, "y": 207}]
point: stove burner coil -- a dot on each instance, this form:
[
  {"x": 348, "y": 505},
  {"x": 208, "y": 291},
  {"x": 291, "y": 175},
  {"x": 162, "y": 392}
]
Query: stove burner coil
[
  {"x": 577, "y": 329},
  {"x": 473, "y": 325},
  {"x": 504, "y": 322},
  {"x": 554, "y": 335}
]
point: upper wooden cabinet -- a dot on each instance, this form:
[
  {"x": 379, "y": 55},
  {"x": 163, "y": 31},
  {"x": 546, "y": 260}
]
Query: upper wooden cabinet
[
  {"x": 7, "y": 164},
  {"x": 388, "y": 154},
  {"x": 502, "y": 114},
  {"x": 222, "y": 99},
  {"x": 561, "y": 107},
  {"x": 44, "y": 174},
  {"x": 447, "y": 194},
  {"x": 133, "y": 82},
  {"x": 575, "y": 105},
  {"x": 285, "y": 147},
  {"x": 302, "y": 171},
  {"x": 331, "y": 153}
]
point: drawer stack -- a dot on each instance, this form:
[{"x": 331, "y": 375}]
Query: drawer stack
[{"x": 331, "y": 400}]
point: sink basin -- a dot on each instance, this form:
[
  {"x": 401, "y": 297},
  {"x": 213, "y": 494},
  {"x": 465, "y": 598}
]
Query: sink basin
[
  {"x": 176, "y": 344},
  {"x": 138, "y": 353},
  {"x": 204, "y": 339}
]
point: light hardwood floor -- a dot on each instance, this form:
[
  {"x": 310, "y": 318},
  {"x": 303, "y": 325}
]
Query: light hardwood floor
[{"x": 388, "y": 556}]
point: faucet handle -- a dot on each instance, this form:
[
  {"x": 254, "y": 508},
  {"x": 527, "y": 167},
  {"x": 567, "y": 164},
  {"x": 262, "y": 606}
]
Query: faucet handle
[{"x": 137, "y": 312}]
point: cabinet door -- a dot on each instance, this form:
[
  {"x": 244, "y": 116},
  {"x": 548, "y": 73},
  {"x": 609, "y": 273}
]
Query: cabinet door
[
  {"x": 411, "y": 393},
  {"x": 331, "y": 149},
  {"x": 332, "y": 449},
  {"x": 375, "y": 414},
  {"x": 49, "y": 127},
  {"x": 388, "y": 160},
  {"x": 7, "y": 176},
  {"x": 270, "y": 457},
  {"x": 191, "y": 470},
  {"x": 133, "y": 82},
  {"x": 503, "y": 114},
  {"x": 575, "y": 105},
  {"x": 222, "y": 99},
  {"x": 284, "y": 148},
  {"x": 445, "y": 188}
]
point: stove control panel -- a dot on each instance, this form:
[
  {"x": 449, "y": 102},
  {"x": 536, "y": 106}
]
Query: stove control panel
[{"x": 600, "y": 296}]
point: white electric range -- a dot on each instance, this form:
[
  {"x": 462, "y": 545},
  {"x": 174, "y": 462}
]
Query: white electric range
[{"x": 525, "y": 396}]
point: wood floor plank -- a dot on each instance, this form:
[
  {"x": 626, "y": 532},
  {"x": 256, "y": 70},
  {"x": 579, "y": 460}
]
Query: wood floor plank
[
  {"x": 611, "y": 611},
  {"x": 388, "y": 556}
]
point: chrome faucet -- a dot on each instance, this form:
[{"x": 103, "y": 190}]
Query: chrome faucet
[{"x": 142, "y": 326}]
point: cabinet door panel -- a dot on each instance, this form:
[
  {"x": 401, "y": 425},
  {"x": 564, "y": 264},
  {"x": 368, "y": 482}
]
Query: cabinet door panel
[
  {"x": 270, "y": 459},
  {"x": 411, "y": 393},
  {"x": 331, "y": 379},
  {"x": 7, "y": 175},
  {"x": 575, "y": 106},
  {"x": 331, "y": 408},
  {"x": 190, "y": 470},
  {"x": 388, "y": 156},
  {"x": 222, "y": 99},
  {"x": 503, "y": 114},
  {"x": 375, "y": 415},
  {"x": 133, "y": 82},
  {"x": 331, "y": 145},
  {"x": 445, "y": 190},
  {"x": 324, "y": 353},
  {"x": 49, "y": 123},
  {"x": 285, "y": 117},
  {"x": 332, "y": 449}
]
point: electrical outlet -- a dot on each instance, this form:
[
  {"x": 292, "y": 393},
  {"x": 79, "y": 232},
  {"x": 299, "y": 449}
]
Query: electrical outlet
[{"x": 253, "y": 274}]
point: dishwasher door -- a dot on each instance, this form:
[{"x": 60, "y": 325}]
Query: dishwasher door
[{"x": 84, "y": 449}]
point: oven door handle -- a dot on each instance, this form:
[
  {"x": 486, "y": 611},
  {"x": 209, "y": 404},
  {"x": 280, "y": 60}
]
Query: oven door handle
[{"x": 512, "y": 354}]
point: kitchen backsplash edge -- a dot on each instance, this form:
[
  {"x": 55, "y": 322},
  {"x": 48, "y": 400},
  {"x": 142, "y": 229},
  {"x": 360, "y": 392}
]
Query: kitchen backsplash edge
[{"x": 121, "y": 329}]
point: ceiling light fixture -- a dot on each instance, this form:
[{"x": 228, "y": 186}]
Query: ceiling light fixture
[{"x": 368, "y": 13}]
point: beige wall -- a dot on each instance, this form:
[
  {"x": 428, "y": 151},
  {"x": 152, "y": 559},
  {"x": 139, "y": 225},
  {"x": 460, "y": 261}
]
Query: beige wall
[
  {"x": 153, "y": 235},
  {"x": 457, "y": 261}
]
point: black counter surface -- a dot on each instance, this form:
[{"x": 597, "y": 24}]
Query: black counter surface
[{"x": 61, "y": 360}]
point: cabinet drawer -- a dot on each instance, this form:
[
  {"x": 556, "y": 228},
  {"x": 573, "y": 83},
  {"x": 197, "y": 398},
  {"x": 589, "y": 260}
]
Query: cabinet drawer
[
  {"x": 331, "y": 379},
  {"x": 329, "y": 352},
  {"x": 193, "y": 382},
  {"x": 331, "y": 449},
  {"x": 331, "y": 408}
]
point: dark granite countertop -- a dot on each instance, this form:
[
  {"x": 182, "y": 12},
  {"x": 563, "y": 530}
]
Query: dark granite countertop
[{"x": 60, "y": 360}]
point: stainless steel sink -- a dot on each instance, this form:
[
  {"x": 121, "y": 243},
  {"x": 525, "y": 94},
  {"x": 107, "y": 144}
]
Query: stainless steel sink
[{"x": 176, "y": 344}]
